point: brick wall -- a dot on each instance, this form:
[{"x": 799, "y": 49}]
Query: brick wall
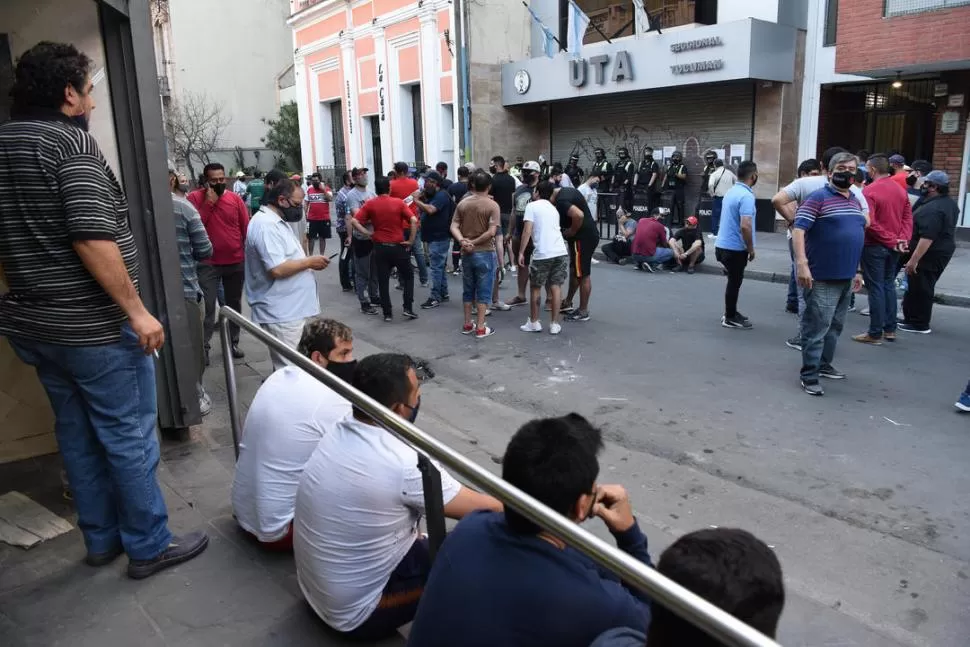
[
  {"x": 867, "y": 41},
  {"x": 948, "y": 149}
]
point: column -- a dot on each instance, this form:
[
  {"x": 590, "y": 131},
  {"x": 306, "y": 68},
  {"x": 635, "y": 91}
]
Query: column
[
  {"x": 430, "y": 88},
  {"x": 349, "y": 96},
  {"x": 384, "y": 101},
  {"x": 306, "y": 115}
]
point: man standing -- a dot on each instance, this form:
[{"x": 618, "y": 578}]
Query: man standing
[
  {"x": 650, "y": 248},
  {"x": 239, "y": 187},
  {"x": 346, "y": 266},
  {"x": 387, "y": 218},
  {"x": 280, "y": 288},
  {"x": 891, "y": 224},
  {"x": 648, "y": 176},
  {"x": 457, "y": 191},
  {"x": 365, "y": 266},
  {"x": 436, "y": 206},
  {"x": 687, "y": 245},
  {"x": 675, "y": 183},
  {"x": 900, "y": 171},
  {"x": 474, "y": 226},
  {"x": 226, "y": 220},
  {"x": 73, "y": 312},
  {"x": 521, "y": 198},
  {"x": 254, "y": 192},
  {"x": 828, "y": 238},
  {"x": 194, "y": 247},
  {"x": 710, "y": 157},
  {"x": 933, "y": 244},
  {"x": 602, "y": 167},
  {"x": 590, "y": 191},
  {"x": 503, "y": 189},
  {"x": 318, "y": 197},
  {"x": 403, "y": 187},
  {"x": 720, "y": 182},
  {"x": 581, "y": 240},
  {"x": 623, "y": 179},
  {"x": 549, "y": 265},
  {"x": 573, "y": 170},
  {"x": 734, "y": 247}
]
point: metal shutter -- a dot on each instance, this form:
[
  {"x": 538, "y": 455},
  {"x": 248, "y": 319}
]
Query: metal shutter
[{"x": 693, "y": 118}]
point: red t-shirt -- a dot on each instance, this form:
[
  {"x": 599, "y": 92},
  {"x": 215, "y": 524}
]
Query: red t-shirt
[
  {"x": 389, "y": 217},
  {"x": 403, "y": 187},
  {"x": 650, "y": 234},
  {"x": 890, "y": 214},
  {"x": 899, "y": 177},
  {"x": 318, "y": 199},
  {"x": 226, "y": 222}
]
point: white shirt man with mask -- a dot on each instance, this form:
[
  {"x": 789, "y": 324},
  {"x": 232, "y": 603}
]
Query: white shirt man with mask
[{"x": 291, "y": 412}]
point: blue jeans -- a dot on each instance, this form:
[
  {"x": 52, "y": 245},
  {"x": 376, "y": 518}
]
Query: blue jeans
[
  {"x": 478, "y": 276},
  {"x": 418, "y": 251},
  {"x": 439, "y": 250},
  {"x": 716, "y": 214},
  {"x": 826, "y": 304},
  {"x": 879, "y": 273},
  {"x": 103, "y": 399},
  {"x": 662, "y": 255},
  {"x": 792, "y": 283}
]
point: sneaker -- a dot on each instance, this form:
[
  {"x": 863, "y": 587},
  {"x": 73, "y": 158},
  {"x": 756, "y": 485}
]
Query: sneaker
[
  {"x": 864, "y": 312},
  {"x": 488, "y": 311},
  {"x": 347, "y": 289},
  {"x": 812, "y": 388},
  {"x": 369, "y": 310},
  {"x": 866, "y": 338},
  {"x": 103, "y": 559},
  {"x": 743, "y": 317},
  {"x": 792, "y": 308},
  {"x": 388, "y": 318},
  {"x": 565, "y": 307},
  {"x": 646, "y": 267},
  {"x": 445, "y": 299},
  {"x": 237, "y": 352},
  {"x": 905, "y": 327},
  {"x": 578, "y": 315},
  {"x": 467, "y": 329},
  {"x": 691, "y": 270},
  {"x": 851, "y": 308},
  {"x": 514, "y": 269},
  {"x": 963, "y": 404},
  {"x": 501, "y": 306},
  {"x": 556, "y": 328},
  {"x": 711, "y": 237},
  {"x": 424, "y": 284},
  {"x": 889, "y": 336},
  {"x": 736, "y": 321},
  {"x": 376, "y": 303},
  {"x": 531, "y": 326},
  {"x": 398, "y": 287},
  {"x": 677, "y": 268},
  {"x": 456, "y": 272},
  {"x": 409, "y": 314},
  {"x": 623, "y": 261},
  {"x": 594, "y": 261},
  {"x": 794, "y": 343},
  {"x": 181, "y": 549},
  {"x": 430, "y": 303},
  {"x": 517, "y": 301},
  {"x": 205, "y": 406},
  {"x": 831, "y": 373},
  {"x": 482, "y": 333}
]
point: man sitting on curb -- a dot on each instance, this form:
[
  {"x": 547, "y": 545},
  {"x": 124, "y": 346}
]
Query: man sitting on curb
[
  {"x": 619, "y": 250},
  {"x": 291, "y": 412},
  {"x": 649, "y": 247},
  {"x": 687, "y": 245}
]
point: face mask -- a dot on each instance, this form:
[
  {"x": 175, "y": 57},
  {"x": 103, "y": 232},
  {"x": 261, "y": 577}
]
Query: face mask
[
  {"x": 491, "y": 169},
  {"x": 316, "y": 185},
  {"x": 649, "y": 158},
  {"x": 430, "y": 190},
  {"x": 219, "y": 187},
  {"x": 924, "y": 190},
  {"x": 343, "y": 370},
  {"x": 183, "y": 188},
  {"x": 81, "y": 121},
  {"x": 292, "y": 214},
  {"x": 842, "y": 179},
  {"x": 910, "y": 180},
  {"x": 414, "y": 411}
]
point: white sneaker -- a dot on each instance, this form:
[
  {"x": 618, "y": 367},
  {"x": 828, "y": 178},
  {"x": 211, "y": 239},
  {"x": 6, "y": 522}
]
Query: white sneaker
[
  {"x": 594, "y": 261},
  {"x": 555, "y": 328},
  {"x": 531, "y": 326},
  {"x": 501, "y": 306}
]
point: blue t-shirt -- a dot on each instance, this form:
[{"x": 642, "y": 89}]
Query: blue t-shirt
[
  {"x": 435, "y": 226},
  {"x": 738, "y": 203},
  {"x": 493, "y": 586},
  {"x": 835, "y": 231}
]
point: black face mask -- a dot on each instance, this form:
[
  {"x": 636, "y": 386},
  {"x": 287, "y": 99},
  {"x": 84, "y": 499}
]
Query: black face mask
[
  {"x": 414, "y": 411},
  {"x": 910, "y": 180},
  {"x": 292, "y": 214},
  {"x": 842, "y": 179},
  {"x": 343, "y": 370},
  {"x": 219, "y": 188},
  {"x": 649, "y": 158},
  {"x": 316, "y": 185},
  {"x": 924, "y": 190},
  {"x": 81, "y": 121}
]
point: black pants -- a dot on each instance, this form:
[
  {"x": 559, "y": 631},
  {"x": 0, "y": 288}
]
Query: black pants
[
  {"x": 734, "y": 262},
  {"x": 346, "y": 261},
  {"x": 388, "y": 255},
  {"x": 232, "y": 278},
  {"x": 918, "y": 301},
  {"x": 678, "y": 209},
  {"x": 616, "y": 250}
]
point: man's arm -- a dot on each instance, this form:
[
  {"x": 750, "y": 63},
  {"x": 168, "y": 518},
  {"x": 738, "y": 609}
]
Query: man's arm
[
  {"x": 242, "y": 214},
  {"x": 455, "y": 228},
  {"x": 429, "y": 209},
  {"x": 575, "y": 221},
  {"x": 289, "y": 268},
  {"x": 201, "y": 245},
  {"x": 412, "y": 221},
  {"x": 905, "y": 227},
  {"x": 681, "y": 172},
  {"x": 524, "y": 241},
  {"x": 359, "y": 228},
  {"x": 468, "y": 500},
  {"x": 785, "y": 205}
]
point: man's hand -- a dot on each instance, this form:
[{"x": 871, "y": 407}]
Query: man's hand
[
  {"x": 467, "y": 246},
  {"x": 803, "y": 274},
  {"x": 521, "y": 260},
  {"x": 407, "y": 244},
  {"x": 318, "y": 262},
  {"x": 151, "y": 335},
  {"x": 857, "y": 282},
  {"x": 902, "y": 246},
  {"x": 751, "y": 255},
  {"x": 911, "y": 267},
  {"x": 613, "y": 507},
  {"x": 211, "y": 196}
]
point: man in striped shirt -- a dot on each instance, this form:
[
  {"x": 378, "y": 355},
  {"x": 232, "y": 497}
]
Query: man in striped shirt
[
  {"x": 73, "y": 311},
  {"x": 828, "y": 236}
]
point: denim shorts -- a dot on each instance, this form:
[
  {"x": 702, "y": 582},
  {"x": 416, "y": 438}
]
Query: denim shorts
[{"x": 478, "y": 277}]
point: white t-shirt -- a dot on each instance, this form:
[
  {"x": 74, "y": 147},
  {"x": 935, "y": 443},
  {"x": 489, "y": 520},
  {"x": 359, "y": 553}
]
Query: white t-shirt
[
  {"x": 803, "y": 187},
  {"x": 591, "y": 196},
  {"x": 546, "y": 233},
  {"x": 357, "y": 512},
  {"x": 291, "y": 412}
]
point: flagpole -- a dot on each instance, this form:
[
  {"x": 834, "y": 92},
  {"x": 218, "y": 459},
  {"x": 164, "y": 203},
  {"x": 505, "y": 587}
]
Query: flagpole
[
  {"x": 600, "y": 31},
  {"x": 526, "y": 5}
]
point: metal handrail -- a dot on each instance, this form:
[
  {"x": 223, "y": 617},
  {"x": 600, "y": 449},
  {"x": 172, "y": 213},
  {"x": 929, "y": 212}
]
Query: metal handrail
[{"x": 686, "y": 604}]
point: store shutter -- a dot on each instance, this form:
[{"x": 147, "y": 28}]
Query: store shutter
[{"x": 693, "y": 119}]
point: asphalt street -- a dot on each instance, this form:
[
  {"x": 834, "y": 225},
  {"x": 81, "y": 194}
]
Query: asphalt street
[{"x": 863, "y": 490}]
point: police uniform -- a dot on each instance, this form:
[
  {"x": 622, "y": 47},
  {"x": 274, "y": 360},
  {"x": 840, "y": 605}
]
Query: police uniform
[
  {"x": 605, "y": 169},
  {"x": 575, "y": 173},
  {"x": 644, "y": 172},
  {"x": 676, "y": 186},
  {"x": 622, "y": 182}
]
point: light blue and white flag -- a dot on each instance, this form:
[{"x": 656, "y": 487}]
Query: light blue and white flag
[
  {"x": 640, "y": 15},
  {"x": 578, "y": 24},
  {"x": 549, "y": 44}
]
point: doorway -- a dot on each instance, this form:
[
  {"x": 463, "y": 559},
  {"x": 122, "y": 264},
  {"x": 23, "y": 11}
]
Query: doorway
[{"x": 375, "y": 141}]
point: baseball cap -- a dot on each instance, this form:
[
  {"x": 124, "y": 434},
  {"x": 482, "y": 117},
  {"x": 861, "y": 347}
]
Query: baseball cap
[
  {"x": 939, "y": 178},
  {"x": 296, "y": 177},
  {"x": 240, "y": 174},
  {"x": 531, "y": 166},
  {"x": 692, "y": 221},
  {"x": 434, "y": 176},
  {"x": 897, "y": 159},
  {"x": 354, "y": 172}
]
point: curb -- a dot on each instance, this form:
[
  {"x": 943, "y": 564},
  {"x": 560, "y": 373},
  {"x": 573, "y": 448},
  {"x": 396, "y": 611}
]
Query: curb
[{"x": 954, "y": 300}]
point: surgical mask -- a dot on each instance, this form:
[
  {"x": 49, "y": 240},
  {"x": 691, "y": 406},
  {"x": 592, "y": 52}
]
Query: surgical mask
[
  {"x": 842, "y": 179},
  {"x": 343, "y": 370},
  {"x": 218, "y": 187},
  {"x": 183, "y": 188}
]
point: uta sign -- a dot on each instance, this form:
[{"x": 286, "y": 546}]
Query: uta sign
[
  {"x": 620, "y": 70},
  {"x": 700, "y": 43}
]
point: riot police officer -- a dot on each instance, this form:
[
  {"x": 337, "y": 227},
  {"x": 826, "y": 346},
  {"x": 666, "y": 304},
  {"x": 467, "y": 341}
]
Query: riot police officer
[
  {"x": 575, "y": 173},
  {"x": 602, "y": 168},
  {"x": 709, "y": 159},
  {"x": 623, "y": 178},
  {"x": 675, "y": 184},
  {"x": 647, "y": 180}
]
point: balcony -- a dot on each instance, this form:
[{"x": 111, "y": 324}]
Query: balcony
[{"x": 296, "y": 6}]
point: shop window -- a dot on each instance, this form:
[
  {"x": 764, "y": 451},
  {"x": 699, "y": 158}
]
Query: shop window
[
  {"x": 831, "y": 23},
  {"x": 893, "y": 8}
]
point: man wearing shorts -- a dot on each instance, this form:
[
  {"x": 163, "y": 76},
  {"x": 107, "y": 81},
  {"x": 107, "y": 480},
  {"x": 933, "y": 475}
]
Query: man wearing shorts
[
  {"x": 520, "y": 200},
  {"x": 318, "y": 198},
  {"x": 579, "y": 230},
  {"x": 474, "y": 226},
  {"x": 550, "y": 258}
]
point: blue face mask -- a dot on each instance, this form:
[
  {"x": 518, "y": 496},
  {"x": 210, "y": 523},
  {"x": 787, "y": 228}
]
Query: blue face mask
[{"x": 414, "y": 410}]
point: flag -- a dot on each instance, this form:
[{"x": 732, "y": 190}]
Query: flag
[
  {"x": 640, "y": 15},
  {"x": 578, "y": 24},
  {"x": 549, "y": 44}
]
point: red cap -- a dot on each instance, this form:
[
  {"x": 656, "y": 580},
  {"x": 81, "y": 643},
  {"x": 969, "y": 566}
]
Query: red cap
[{"x": 692, "y": 221}]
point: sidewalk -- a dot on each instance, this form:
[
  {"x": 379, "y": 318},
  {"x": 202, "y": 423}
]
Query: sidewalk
[{"x": 772, "y": 263}]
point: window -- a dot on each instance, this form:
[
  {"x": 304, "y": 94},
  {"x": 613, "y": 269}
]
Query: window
[
  {"x": 893, "y": 8},
  {"x": 417, "y": 124},
  {"x": 615, "y": 18},
  {"x": 831, "y": 22}
]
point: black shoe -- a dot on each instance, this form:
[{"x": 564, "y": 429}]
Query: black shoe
[
  {"x": 369, "y": 310},
  {"x": 430, "y": 303},
  {"x": 677, "y": 268},
  {"x": 388, "y": 318},
  {"x": 445, "y": 299},
  {"x": 741, "y": 316},
  {"x": 375, "y": 302},
  {"x": 792, "y": 308},
  {"x": 103, "y": 559},
  {"x": 237, "y": 352},
  {"x": 566, "y": 308},
  {"x": 831, "y": 373},
  {"x": 408, "y": 314},
  {"x": 736, "y": 322},
  {"x": 812, "y": 388},
  {"x": 578, "y": 315},
  {"x": 181, "y": 549},
  {"x": 905, "y": 327}
]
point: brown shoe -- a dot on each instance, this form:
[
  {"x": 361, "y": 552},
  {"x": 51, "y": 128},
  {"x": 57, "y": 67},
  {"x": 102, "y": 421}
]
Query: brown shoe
[
  {"x": 889, "y": 336},
  {"x": 864, "y": 338}
]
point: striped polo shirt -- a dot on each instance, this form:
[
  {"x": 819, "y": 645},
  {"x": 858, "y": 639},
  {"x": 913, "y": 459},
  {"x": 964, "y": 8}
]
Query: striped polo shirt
[
  {"x": 834, "y": 233},
  {"x": 56, "y": 188}
]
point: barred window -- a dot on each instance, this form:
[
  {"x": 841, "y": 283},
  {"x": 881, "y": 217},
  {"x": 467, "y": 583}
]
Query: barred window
[{"x": 892, "y": 8}]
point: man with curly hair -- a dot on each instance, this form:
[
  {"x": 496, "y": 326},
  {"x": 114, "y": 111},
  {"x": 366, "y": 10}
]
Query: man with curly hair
[{"x": 73, "y": 311}]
